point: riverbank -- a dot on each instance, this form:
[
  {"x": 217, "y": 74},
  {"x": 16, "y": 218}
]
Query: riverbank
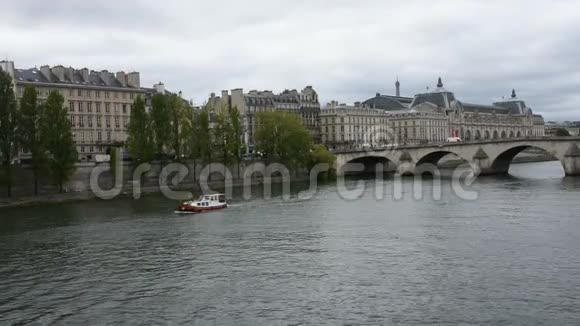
[{"x": 127, "y": 192}]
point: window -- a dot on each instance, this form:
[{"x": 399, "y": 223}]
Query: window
[
  {"x": 99, "y": 136},
  {"x": 99, "y": 125},
  {"x": 90, "y": 107},
  {"x": 116, "y": 105},
  {"x": 107, "y": 95},
  {"x": 80, "y": 92},
  {"x": 71, "y": 106},
  {"x": 91, "y": 149},
  {"x": 90, "y": 121},
  {"x": 125, "y": 122},
  {"x": 117, "y": 125},
  {"x": 80, "y": 104},
  {"x": 108, "y": 136},
  {"x": 71, "y": 92},
  {"x": 108, "y": 122},
  {"x": 124, "y": 95},
  {"x": 82, "y": 149},
  {"x": 107, "y": 107},
  {"x": 124, "y": 108},
  {"x": 98, "y": 107},
  {"x": 97, "y": 93},
  {"x": 82, "y": 122},
  {"x": 72, "y": 120},
  {"x": 131, "y": 96}
]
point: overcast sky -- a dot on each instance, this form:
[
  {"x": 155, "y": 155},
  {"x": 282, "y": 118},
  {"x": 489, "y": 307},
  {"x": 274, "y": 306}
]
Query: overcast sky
[{"x": 348, "y": 50}]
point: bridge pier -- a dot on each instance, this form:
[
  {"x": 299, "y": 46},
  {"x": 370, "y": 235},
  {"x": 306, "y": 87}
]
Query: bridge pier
[{"x": 571, "y": 166}]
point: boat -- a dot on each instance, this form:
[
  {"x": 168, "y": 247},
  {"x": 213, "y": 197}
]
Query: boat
[{"x": 204, "y": 203}]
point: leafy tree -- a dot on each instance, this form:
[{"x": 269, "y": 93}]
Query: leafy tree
[
  {"x": 180, "y": 124},
  {"x": 30, "y": 138},
  {"x": 203, "y": 136},
  {"x": 235, "y": 142},
  {"x": 282, "y": 137},
  {"x": 320, "y": 154},
  {"x": 8, "y": 128},
  {"x": 140, "y": 141},
  {"x": 222, "y": 136},
  {"x": 161, "y": 123},
  {"x": 61, "y": 153}
]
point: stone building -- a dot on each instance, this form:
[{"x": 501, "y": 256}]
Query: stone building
[
  {"x": 424, "y": 123},
  {"x": 508, "y": 118},
  {"x": 345, "y": 126},
  {"x": 304, "y": 103},
  {"x": 99, "y": 102},
  {"x": 433, "y": 116}
]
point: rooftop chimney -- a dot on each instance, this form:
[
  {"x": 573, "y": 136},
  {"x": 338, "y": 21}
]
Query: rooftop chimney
[
  {"x": 8, "y": 67},
  {"x": 58, "y": 71},
  {"x": 85, "y": 74},
  {"x": 133, "y": 80},
  {"x": 122, "y": 78},
  {"x": 45, "y": 70}
]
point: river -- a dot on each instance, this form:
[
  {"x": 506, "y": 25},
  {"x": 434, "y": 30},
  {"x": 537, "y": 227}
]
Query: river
[{"x": 511, "y": 257}]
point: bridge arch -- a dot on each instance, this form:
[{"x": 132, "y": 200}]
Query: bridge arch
[
  {"x": 434, "y": 157},
  {"x": 501, "y": 163},
  {"x": 369, "y": 162}
]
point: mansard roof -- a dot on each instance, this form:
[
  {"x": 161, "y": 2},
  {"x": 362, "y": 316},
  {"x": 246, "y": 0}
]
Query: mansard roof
[
  {"x": 388, "y": 103},
  {"x": 95, "y": 79}
]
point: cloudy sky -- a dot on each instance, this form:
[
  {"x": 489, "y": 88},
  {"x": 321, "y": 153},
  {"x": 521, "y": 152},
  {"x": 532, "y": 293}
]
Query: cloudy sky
[{"x": 347, "y": 49}]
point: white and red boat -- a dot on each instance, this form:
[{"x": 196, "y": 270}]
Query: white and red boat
[{"x": 205, "y": 203}]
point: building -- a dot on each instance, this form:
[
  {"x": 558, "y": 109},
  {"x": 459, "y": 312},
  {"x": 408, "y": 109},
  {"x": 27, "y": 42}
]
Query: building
[
  {"x": 422, "y": 124},
  {"x": 304, "y": 103},
  {"x": 507, "y": 118},
  {"x": 99, "y": 102},
  {"x": 345, "y": 126}
]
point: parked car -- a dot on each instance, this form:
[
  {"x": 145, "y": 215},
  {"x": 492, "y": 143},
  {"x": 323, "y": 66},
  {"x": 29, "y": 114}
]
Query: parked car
[{"x": 454, "y": 140}]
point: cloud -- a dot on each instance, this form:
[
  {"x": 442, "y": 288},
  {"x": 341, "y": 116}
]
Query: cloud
[{"x": 347, "y": 50}]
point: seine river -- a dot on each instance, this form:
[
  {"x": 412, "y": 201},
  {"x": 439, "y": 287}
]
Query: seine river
[{"x": 511, "y": 257}]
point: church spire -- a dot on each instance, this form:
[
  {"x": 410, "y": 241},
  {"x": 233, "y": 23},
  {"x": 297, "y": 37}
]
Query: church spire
[
  {"x": 439, "y": 83},
  {"x": 398, "y": 87},
  {"x": 514, "y": 93}
]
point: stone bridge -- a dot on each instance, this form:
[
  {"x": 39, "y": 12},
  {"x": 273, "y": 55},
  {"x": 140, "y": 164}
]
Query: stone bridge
[{"x": 486, "y": 157}]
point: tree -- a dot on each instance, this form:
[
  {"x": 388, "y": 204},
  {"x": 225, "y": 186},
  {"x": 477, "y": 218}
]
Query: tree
[
  {"x": 180, "y": 124},
  {"x": 222, "y": 137},
  {"x": 282, "y": 137},
  {"x": 203, "y": 136},
  {"x": 161, "y": 123},
  {"x": 30, "y": 137},
  {"x": 61, "y": 153},
  {"x": 236, "y": 141},
  {"x": 320, "y": 154},
  {"x": 8, "y": 128},
  {"x": 140, "y": 141},
  {"x": 562, "y": 132}
]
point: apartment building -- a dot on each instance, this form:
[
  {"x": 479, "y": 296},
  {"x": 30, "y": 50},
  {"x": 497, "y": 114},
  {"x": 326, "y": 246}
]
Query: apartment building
[
  {"x": 99, "y": 102},
  {"x": 349, "y": 126}
]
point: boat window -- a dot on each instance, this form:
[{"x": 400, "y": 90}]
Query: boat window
[{"x": 222, "y": 198}]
